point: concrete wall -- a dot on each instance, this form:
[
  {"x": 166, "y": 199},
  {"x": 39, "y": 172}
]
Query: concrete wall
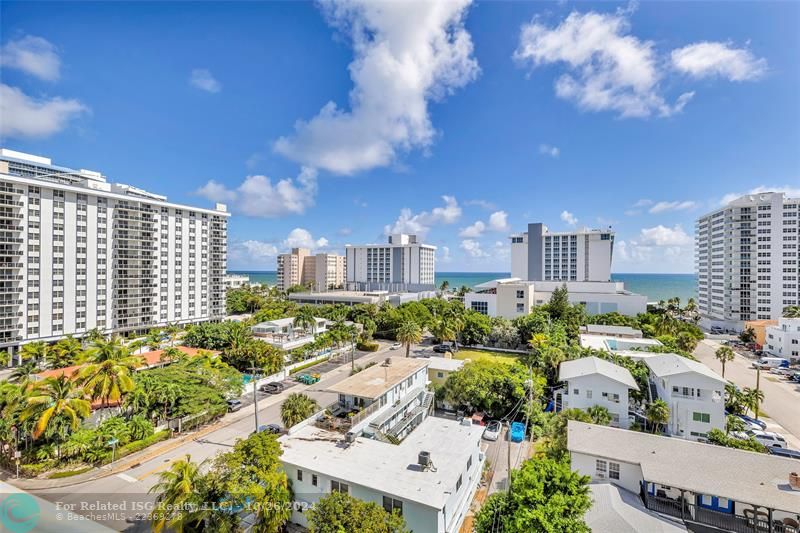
[
  {"x": 630, "y": 475},
  {"x": 590, "y": 393},
  {"x": 681, "y": 422}
]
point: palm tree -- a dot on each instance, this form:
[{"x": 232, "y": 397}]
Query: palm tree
[
  {"x": 444, "y": 286},
  {"x": 734, "y": 399},
  {"x": 23, "y": 373},
  {"x": 409, "y": 333},
  {"x": 658, "y": 414},
  {"x": 179, "y": 489},
  {"x": 724, "y": 354},
  {"x": 35, "y": 351},
  {"x": 108, "y": 376},
  {"x": 66, "y": 352},
  {"x": 752, "y": 399},
  {"x": 443, "y": 328},
  {"x": 304, "y": 318},
  {"x": 153, "y": 339},
  {"x": 172, "y": 330},
  {"x": 733, "y": 423},
  {"x": 793, "y": 311},
  {"x": 55, "y": 400},
  {"x": 296, "y": 408},
  {"x": 600, "y": 415}
]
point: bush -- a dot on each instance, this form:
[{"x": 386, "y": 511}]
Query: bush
[
  {"x": 69, "y": 473},
  {"x": 34, "y": 469},
  {"x": 136, "y": 446},
  {"x": 306, "y": 365},
  {"x": 368, "y": 346}
]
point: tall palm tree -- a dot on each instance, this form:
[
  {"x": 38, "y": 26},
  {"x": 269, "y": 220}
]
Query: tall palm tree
[
  {"x": 600, "y": 415},
  {"x": 108, "y": 376},
  {"x": 752, "y": 399},
  {"x": 443, "y": 328},
  {"x": 23, "y": 374},
  {"x": 55, "y": 399},
  {"x": 409, "y": 333},
  {"x": 734, "y": 423},
  {"x": 172, "y": 330},
  {"x": 724, "y": 354},
  {"x": 179, "y": 489},
  {"x": 92, "y": 336},
  {"x": 793, "y": 311},
  {"x": 35, "y": 351},
  {"x": 153, "y": 339},
  {"x": 66, "y": 352},
  {"x": 304, "y": 318},
  {"x": 657, "y": 413},
  {"x": 444, "y": 286},
  {"x": 296, "y": 408}
]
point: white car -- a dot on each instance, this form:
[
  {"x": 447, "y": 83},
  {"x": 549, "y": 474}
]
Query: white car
[
  {"x": 395, "y": 346},
  {"x": 767, "y": 438},
  {"x": 492, "y": 431}
]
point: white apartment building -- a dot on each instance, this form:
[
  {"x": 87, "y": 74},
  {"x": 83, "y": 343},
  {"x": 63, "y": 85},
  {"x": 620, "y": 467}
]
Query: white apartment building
[
  {"x": 322, "y": 271},
  {"x": 401, "y": 264},
  {"x": 783, "y": 340},
  {"x": 591, "y": 381},
  {"x": 693, "y": 392},
  {"x": 746, "y": 258},
  {"x": 78, "y": 252},
  {"x": 542, "y": 255},
  {"x": 236, "y": 281},
  {"x": 513, "y": 297}
]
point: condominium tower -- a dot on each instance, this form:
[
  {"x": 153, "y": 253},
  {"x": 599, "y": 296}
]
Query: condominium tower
[
  {"x": 320, "y": 272},
  {"x": 746, "y": 258},
  {"x": 78, "y": 252},
  {"x": 401, "y": 264},
  {"x": 542, "y": 255}
]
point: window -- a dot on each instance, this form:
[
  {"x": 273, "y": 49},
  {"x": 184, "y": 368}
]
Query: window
[
  {"x": 576, "y": 392},
  {"x": 314, "y": 479},
  {"x": 458, "y": 483},
  {"x": 613, "y": 470},
  {"x": 440, "y": 375},
  {"x": 520, "y": 308},
  {"x": 520, "y": 294},
  {"x": 390, "y": 505},
  {"x": 701, "y": 417},
  {"x": 588, "y": 394},
  {"x": 338, "y": 486},
  {"x": 601, "y": 468},
  {"x": 299, "y": 475}
]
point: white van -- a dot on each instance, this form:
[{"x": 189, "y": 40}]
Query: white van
[{"x": 771, "y": 362}]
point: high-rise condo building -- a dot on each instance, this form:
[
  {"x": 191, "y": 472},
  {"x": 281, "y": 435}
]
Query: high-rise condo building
[
  {"x": 746, "y": 258},
  {"x": 78, "y": 252},
  {"x": 401, "y": 264},
  {"x": 322, "y": 271},
  {"x": 542, "y": 255}
]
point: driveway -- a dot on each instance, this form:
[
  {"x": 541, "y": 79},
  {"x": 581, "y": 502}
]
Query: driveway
[
  {"x": 497, "y": 453},
  {"x": 781, "y": 398}
]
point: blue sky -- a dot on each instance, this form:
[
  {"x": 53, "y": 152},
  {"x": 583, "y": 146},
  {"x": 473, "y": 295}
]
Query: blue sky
[{"x": 333, "y": 123}]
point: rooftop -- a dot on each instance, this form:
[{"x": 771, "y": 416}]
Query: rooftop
[
  {"x": 586, "y": 366},
  {"x": 669, "y": 364},
  {"x": 442, "y": 363},
  {"x": 388, "y": 468},
  {"x": 621, "y": 511},
  {"x": 372, "y": 382},
  {"x": 748, "y": 477},
  {"x": 603, "y": 329},
  {"x": 614, "y": 343}
]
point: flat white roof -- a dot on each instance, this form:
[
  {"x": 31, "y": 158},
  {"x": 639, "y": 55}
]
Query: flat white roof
[
  {"x": 603, "y": 329},
  {"x": 600, "y": 342},
  {"x": 669, "y": 364},
  {"x": 443, "y": 363},
  {"x": 388, "y": 468},
  {"x": 742, "y": 476},
  {"x": 372, "y": 382},
  {"x": 588, "y": 366}
]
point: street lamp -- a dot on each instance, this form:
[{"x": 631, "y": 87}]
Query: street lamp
[
  {"x": 254, "y": 377},
  {"x": 113, "y": 443}
]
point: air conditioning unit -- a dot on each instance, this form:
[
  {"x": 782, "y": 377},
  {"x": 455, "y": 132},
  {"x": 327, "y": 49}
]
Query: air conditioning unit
[
  {"x": 350, "y": 437},
  {"x": 424, "y": 459}
]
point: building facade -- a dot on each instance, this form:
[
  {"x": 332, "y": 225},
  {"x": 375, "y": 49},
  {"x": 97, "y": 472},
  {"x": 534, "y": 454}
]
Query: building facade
[
  {"x": 322, "y": 271},
  {"x": 783, "y": 339},
  {"x": 746, "y": 258},
  {"x": 78, "y": 252},
  {"x": 542, "y": 255},
  {"x": 401, "y": 264}
]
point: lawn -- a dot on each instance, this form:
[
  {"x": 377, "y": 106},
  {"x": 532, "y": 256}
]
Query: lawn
[{"x": 482, "y": 355}]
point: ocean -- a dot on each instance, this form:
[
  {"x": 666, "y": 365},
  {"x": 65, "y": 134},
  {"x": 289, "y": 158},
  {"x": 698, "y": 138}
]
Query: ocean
[{"x": 655, "y": 286}]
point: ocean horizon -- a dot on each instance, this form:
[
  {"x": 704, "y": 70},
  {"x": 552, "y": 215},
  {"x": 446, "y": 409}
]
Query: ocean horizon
[{"x": 655, "y": 286}]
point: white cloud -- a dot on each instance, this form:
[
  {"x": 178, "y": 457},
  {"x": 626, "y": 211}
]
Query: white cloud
[
  {"x": 33, "y": 55},
  {"x": 473, "y": 248},
  {"x": 257, "y": 196},
  {"x": 498, "y": 221},
  {"x": 608, "y": 69},
  {"x": 301, "y": 238},
  {"x": 405, "y": 54},
  {"x": 662, "y": 207},
  {"x": 552, "y": 151},
  {"x": 473, "y": 231},
  {"x": 23, "y": 116},
  {"x": 710, "y": 59},
  {"x": 443, "y": 255},
  {"x": 202, "y": 79},
  {"x": 791, "y": 192},
  {"x": 481, "y": 203},
  {"x": 420, "y": 223},
  {"x": 664, "y": 236},
  {"x": 569, "y": 218},
  {"x": 644, "y": 202}
]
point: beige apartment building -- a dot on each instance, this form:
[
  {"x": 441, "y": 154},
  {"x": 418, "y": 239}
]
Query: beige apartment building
[{"x": 321, "y": 271}]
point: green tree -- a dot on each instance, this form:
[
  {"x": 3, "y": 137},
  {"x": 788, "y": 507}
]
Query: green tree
[
  {"x": 35, "y": 351},
  {"x": 444, "y": 286},
  {"x": 793, "y": 311},
  {"x": 23, "y": 374},
  {"x": 685, "y": 341},
  {"x": 55, "y": 405},
  {"x": 489, "y": 387},
  {"x": 752, "y": 399},
  {"x": 733, "y": 424},
  {"x": 304, "y": 318},
  {"x": 724, "y": 355},
  {"x": 66, "y": 352},
  {"x": 716, "y": 436},
  {"x": 734, "y": 399},
  {"x": 546, "y": 495},
  {"x": 180, "y": 489},
  {"x": 339, "y": 512},
  {"x": 748, "y": 335},
  {"x": 296, "y": 408},
  {"x": 409, "y": 333},
  {"x": 477, "y": 327},
  {"x": 153, "y": 339},
  {"x": 599, "y": 415},
  {"x": 556, "y": 431},
  {"x": 108, "y": 376},
  {"x": 657, "y": 413},
  {"x": 559, "y": 302}
]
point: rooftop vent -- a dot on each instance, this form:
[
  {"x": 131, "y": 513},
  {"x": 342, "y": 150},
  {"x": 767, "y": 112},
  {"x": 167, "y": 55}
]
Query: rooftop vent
[{"x": 424, "y": 459}]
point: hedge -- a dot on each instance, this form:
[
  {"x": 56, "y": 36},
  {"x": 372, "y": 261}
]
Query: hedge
[
  {"x": 34, "y": 469},
  {"x": 137, "y": 445},
  {"x": 306, "y": 365},
  {"x": 69, "y": 473},
  {"x": 368, "y": 346}
]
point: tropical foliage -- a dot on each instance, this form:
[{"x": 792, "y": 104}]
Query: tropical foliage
[{"x": 338, "y": 512}]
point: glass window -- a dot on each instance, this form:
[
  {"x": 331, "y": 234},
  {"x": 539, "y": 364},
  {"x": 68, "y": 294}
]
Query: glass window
[
  {"x": 314, "y": 479},
  {"x": 613, "y": 470},
  {"x": 299, "y": 475},
  {"x": 390, "y": 505}
]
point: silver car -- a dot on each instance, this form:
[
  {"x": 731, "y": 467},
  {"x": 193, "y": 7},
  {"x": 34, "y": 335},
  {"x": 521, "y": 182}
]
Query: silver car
[{"x": 492, "y": 431}]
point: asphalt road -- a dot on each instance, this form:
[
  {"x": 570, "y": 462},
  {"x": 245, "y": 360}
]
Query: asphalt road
[
  {"x": 128, "y": 491},
  {"x": 781, "y": 398}
]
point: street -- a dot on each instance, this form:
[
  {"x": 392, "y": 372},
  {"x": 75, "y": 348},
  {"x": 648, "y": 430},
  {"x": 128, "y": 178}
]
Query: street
[
  {"x": 130, "y": 488},
  {"x": 781, "y": 398}
]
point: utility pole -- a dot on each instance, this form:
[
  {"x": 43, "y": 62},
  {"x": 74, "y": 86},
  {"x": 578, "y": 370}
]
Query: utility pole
[
  {"x": 758, "y": 383},
  {"x": 353, "y": 352},
  {"x": 254, "y": 375},
  {"x": 530, "y": 401},
  {"x": 508, "y": 438}
]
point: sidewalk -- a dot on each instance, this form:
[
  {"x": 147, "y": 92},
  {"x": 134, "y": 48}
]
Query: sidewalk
[{"x": 163, "y": 447}]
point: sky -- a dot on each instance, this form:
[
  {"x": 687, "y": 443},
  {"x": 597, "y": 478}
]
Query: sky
[{"x": 333, "y": 123}]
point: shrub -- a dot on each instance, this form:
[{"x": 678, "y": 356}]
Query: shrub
[
  {"x": 69, "y": 473},
  {"x": 368, "y": 346},
  {"x": 34, "y": 469},
  {"x": 306, "y": 365}
]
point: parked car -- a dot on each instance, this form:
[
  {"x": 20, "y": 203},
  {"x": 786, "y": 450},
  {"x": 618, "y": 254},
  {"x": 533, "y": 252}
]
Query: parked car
[
  {"x": 395, "y": 346},
  {"x": 716, "y": 330},
  {"x": 517, "y": 432},
  {"x": 273, "y": 387},
  {"x": 795, "y": 377},
  {"x": 784, "y": 452},
  {"x": 767, "y": 438},
  {"x": 442, "y": 348},
  {"x": 234, "y": 405},
  {"x": 781, "y": 371},
  {"x": 270, "y": 428},
  {"x": 749, "y": 420},
  {"x": 771, "y": 362},
  {"x": 492, "y": 431}
]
